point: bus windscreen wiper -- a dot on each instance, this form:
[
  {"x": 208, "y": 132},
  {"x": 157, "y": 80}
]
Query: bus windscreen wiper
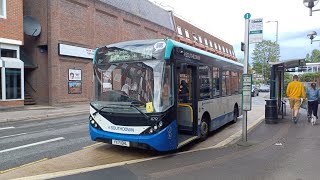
[{"x": 130, "y": 105}]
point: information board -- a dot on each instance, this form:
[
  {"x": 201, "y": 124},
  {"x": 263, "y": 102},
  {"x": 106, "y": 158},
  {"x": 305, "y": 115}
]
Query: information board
[{"x": 246, "y": 92}]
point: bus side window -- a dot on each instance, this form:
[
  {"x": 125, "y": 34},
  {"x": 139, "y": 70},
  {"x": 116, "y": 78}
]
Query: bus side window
[{"x": 215, "y": 82}]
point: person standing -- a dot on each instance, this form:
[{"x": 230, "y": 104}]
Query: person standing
[
  {"x": 312, "y": 96},
  {"x": 295, "y": 91}
]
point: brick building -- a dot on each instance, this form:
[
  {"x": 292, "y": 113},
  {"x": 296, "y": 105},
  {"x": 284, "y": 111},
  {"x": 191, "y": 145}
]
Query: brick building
[
  {"x": 61, "y": 56},
  {"x": 189, "y": 34},
  {"x": 11, "y": 67}
]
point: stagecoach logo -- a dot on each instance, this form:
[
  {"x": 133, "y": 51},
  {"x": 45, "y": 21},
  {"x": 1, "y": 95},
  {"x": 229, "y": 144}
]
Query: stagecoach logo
[
  {"x": 191, "y": 56},
  {"x": 159, "y": 45},
  {"x": 117, "y": 128}
]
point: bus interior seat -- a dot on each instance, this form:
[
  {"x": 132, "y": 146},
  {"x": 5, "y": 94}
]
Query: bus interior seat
[{"x": 185, "y": 118}]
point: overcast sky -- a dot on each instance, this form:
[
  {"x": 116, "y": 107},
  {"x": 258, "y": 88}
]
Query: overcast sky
[{"x": 225, "y": 19}]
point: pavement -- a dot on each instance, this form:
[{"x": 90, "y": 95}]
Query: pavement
[{"x": 42, "y": 112}]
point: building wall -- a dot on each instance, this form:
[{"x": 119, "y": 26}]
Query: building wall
[
  {"x": 83, "y": 23},
  {"x": 12, "y": 26},
  {"x": 197, "y": 31}
]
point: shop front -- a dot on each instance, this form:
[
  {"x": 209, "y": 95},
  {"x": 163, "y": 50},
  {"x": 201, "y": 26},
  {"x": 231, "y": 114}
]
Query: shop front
[{"x": 11, "y": 82}]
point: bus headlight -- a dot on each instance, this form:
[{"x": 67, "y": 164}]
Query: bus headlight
[
  {"x": 155, "y": 127},
  {"x": 160, "y": 124},
  {"x": 151, "y": 131},
  {"x": 92, "y": 122}
]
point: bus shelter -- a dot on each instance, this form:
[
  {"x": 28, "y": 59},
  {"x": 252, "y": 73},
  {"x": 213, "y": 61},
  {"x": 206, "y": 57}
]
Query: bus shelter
[{"x": 276, "y": 104}]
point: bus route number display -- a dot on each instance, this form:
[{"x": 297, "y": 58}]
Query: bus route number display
[{"x": 246, "y": 92}]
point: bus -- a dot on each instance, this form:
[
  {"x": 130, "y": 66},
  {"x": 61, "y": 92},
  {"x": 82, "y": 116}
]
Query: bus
[{"x": 161, "y": 94}]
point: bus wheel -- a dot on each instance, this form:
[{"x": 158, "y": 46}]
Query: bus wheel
[
  {"x": 235, "y": 115},
  {"x": 204, "y": 129}
]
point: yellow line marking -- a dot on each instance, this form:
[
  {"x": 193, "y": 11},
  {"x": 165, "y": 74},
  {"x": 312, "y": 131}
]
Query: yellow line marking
[
  {"x": 187, "y": 141},
  {"x": 11, "y": 169},
  {"x": 90, "y": 146}
]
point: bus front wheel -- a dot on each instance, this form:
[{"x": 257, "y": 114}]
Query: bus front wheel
[{"x": 204, "y": 129}]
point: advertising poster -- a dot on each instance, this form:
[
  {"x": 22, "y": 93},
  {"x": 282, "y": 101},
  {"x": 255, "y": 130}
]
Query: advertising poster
[
  {"x": 74, "y": 74},
  {"x": 74, "y": 87}
]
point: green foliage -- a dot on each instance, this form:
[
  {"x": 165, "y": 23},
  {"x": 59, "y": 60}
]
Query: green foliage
[
  {"x": 264, "y": 52},
  {"x": 309, "y": 77},
  {"x": 314, "y": 57}
]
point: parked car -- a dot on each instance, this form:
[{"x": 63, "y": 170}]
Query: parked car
[
  {"x": 254, "y": 91},
  {"x": 264, "y": 88}
]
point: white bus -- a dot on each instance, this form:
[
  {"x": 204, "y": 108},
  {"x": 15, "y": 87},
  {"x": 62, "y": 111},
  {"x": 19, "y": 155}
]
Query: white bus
[{"x": 161, "y": 94}]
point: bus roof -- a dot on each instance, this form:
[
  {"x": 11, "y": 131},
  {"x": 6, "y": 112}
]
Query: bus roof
[{"x": 171, "y": 44}]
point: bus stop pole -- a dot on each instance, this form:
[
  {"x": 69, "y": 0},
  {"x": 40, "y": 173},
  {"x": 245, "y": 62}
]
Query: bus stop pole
[{"x": 246, "y": 55}]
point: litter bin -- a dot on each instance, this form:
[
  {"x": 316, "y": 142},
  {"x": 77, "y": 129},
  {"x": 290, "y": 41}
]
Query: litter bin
[{"x": 271, "y": 111}]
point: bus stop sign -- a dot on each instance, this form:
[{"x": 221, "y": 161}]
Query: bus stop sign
[{"x": 246, "y": 92}]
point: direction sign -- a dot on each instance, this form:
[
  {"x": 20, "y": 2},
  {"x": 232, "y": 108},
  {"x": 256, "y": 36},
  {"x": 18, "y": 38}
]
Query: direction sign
[
  {"x": 256, "y": 30},
  {"x": 246, "y": 91}
]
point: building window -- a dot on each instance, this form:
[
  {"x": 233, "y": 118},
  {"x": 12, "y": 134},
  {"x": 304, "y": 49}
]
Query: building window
[
  {"x": 195, "y": 37},
  {"x": 187, "y": 34},
  {"x": 8, "y": 52},
  {"x": 219, "y": 47},
  {"x": 210, "y": 43},
  {"x": 206, "y": 41},
  {"x": 3, "y": 12},
  {"x": 13, "y": 83},
  {"x": 215, "y": 45},
  {"x": 223, "y": 49},
  {"x": 179, "y": 30},
  {"x": 200, "y": 39}
]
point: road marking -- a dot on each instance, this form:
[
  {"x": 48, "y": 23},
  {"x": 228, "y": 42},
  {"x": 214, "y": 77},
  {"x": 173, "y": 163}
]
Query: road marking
[
  {"x": 12, "y": 135},
  {"x": 34, "y": 162},
  {"x": 95, "y": 144},
  {"x": 33, "y": 144},
  {"x": 7, "y": 128}
]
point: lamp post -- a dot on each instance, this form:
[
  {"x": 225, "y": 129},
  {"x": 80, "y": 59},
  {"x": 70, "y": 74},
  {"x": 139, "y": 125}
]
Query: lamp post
[
  {"x": 277, "y": 30},
  {"x": 312, "y": 35},
  {"x": 310, "y": 4}
]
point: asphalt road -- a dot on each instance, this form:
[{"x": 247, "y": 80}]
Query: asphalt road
[{"x": 25, "y": 142}]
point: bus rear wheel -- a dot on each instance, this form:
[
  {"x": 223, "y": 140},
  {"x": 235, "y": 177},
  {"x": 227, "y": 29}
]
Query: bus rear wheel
[{"x": 204, "y": 129}]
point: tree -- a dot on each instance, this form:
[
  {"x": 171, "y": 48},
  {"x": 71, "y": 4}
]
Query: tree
[
  {"x": 265, "y": 52},
  {"x": 314, "y": 57}
]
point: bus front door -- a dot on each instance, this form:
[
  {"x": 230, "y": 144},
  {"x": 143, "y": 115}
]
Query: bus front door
[{"x": 187, "y": 105}]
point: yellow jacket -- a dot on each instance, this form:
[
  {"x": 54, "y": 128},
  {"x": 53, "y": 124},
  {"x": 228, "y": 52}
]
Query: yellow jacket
[{"x": 295, "y": 90}]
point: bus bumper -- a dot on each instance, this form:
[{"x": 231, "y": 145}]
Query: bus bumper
[{"x": 164, "y": 140}]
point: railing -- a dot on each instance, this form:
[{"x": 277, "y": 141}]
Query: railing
[{"x": 29, "y": 85}]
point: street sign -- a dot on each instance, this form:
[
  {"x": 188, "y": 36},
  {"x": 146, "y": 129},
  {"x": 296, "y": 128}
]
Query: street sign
[
  {"x": 256, "y": 30},
  {"x": 246, "y": 92},
  {"x": 247, "y": 16}
]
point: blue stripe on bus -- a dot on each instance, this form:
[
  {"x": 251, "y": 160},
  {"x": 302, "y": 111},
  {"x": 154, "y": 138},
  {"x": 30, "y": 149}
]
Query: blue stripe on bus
[
  {"x": 164, "y": 140},
  {"x": 220, "y": 121}
]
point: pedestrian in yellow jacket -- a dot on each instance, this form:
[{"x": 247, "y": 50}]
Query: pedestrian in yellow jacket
[{"x": 295, "y": 91}]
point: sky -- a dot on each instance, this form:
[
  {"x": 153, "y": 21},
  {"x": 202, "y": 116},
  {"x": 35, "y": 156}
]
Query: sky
[{"x": 225, "y": 19}]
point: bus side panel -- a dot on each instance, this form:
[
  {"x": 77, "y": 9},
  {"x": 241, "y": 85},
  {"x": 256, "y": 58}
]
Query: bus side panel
[
  {"x": 219, "y": 109},
  {"x": 165, "y": 140}
]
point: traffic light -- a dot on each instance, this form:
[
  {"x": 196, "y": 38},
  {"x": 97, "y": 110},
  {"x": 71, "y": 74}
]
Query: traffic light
[{"x": 242, "y": 46}]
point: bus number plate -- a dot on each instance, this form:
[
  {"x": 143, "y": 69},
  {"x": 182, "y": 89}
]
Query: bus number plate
[{"x": 120, "y": 143}]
